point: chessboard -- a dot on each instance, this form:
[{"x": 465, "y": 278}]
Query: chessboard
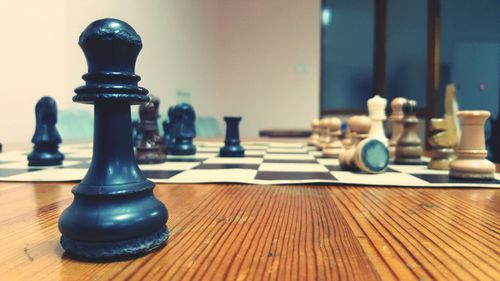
[{"x": 264, "y": 163}]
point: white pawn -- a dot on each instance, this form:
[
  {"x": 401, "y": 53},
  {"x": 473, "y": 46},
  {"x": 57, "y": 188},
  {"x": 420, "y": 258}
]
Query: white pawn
[
  {"x": 313, "y": 139},
  {"x": 334, "y": 145},
  {"x": 376, "y": 110}
]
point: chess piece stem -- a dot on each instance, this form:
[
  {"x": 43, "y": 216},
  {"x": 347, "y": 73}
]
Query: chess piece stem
[{"x": 471, "y": 162}]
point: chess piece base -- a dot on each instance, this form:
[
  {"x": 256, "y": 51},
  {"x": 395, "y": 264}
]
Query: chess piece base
[
  {"x": 150, "y": 157},
  {"x": 115, "y": 249},
  {"x": 43, "y": 158},
  {"x": 472, "y": 169},
  {"x": 232, "y": 151},
  {"x": 440, "y": 158},
  {"x": 184, "y": 149},
  {"x": 332, "y": 151},
  {"x": 371, "y": 156}
]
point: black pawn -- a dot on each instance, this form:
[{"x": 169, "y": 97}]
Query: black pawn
[
  {"x": 169, "y": 139},
  {"x": 46, "y": 137},
  {"x": 232, "y": 147},
  {"x": 148, "y": 151},
  {"x": 183, "y": 119},
  {"x": 114, "y": 214}
]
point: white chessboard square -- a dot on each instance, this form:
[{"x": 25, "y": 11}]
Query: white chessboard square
[
  {"x": 416, "y": 169},
  {"x": 254, "y": 147},
  {"x": 205, "y": 149},
  {"x": 289, "y": 157},
  {"x": 286, "y": 145},
  {"x": 68, "y": 174},
  {"x": 328, "y": 161},
  {"x": 169, "y": 166},
  {"x": 213, "y": 175},
  {"x": 286, "y": 150},
  {"x": 195, "y": 156},
  {"x": 24, "y": 164},
  {"x": 234, "y": 160},
  {"x": 316, "y": 153},
  {"x": 210, "y": 144},
  {"x": 255, "y": 152},
  {"x": 292, "y": 167},
  {"x": 383, "y": 179},
  {"x": 14, "y": 156}
]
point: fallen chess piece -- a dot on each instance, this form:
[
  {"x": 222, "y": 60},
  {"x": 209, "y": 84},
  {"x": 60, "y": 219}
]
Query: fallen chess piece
[
  {"x": 46, "y": 137},
  {"x": 369, "y": 155},
  {"x": 471, "y": 162}
]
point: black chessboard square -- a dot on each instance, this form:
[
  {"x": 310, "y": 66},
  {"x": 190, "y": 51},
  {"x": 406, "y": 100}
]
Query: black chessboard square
[
  {"x": 265, "y": 175},
  {"x": 160, "y": 174},
  {"x": 207, "y": 166},
  {"x": 334, "y": 168},
  {"x": 444, "y": 178},
  {"x": 13, "y": 172}
]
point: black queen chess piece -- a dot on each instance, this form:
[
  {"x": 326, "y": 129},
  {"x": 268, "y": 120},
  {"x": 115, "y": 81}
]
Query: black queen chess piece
[
  {"x": 232, "y": 147},
  {"x": 46, "y": 137},
  {"x": 115, "y": 214},
  {"x": 183, "y": 119}
]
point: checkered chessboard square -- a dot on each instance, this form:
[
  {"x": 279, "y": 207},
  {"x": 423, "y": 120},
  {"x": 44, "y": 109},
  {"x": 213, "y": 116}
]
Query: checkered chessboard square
[{"x": 264, "y": 163}]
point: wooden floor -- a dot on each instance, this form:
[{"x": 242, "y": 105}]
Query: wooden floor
[{"x": 249, "y": 232}]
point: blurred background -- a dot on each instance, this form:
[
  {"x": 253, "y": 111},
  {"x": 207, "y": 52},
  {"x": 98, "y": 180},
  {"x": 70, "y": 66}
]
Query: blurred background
[{"x": 276, "y": 63}]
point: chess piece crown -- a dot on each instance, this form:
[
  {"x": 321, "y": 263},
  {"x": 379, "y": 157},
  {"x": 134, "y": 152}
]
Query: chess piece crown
[
  {"x": 111, "y": 48},
  {"x": 376, "y": 107}
]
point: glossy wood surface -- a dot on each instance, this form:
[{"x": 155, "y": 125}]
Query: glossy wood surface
[{"x": 250, "y": 232}]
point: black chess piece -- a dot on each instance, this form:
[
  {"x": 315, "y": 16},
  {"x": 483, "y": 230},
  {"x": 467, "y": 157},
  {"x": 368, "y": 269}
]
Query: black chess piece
[
  {"x": 167, "y": 134},
  {"x": 115, "y": 214},
  {"x": 136, "y": 132},
  {"x": 494, "y": 140},
  {"x": 46, "y": 137},
  {"x": 169, "y": 145},
  {"x": 183, "y": 119},
  {"x": 149, "y": 151},
  {"x": 232, "y": 147},
  {"x": 156, "y": 102},
  {"x": 409, "y": 146}
]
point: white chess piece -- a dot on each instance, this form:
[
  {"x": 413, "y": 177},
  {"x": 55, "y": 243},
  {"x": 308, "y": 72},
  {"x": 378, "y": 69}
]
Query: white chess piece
[{"x": 376, "y": 110}]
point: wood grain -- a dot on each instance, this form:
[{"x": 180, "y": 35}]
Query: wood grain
[{"x": 250, "y": 232}]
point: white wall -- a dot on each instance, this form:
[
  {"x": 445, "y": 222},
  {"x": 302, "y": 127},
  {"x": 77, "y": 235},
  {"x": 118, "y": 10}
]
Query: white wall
[
  {"x": 235, "y": 57},
  {"x": 269, "y": 62}
]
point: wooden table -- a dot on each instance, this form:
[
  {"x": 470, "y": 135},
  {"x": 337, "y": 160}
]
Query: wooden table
[{"x": 249, "y": 232}]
